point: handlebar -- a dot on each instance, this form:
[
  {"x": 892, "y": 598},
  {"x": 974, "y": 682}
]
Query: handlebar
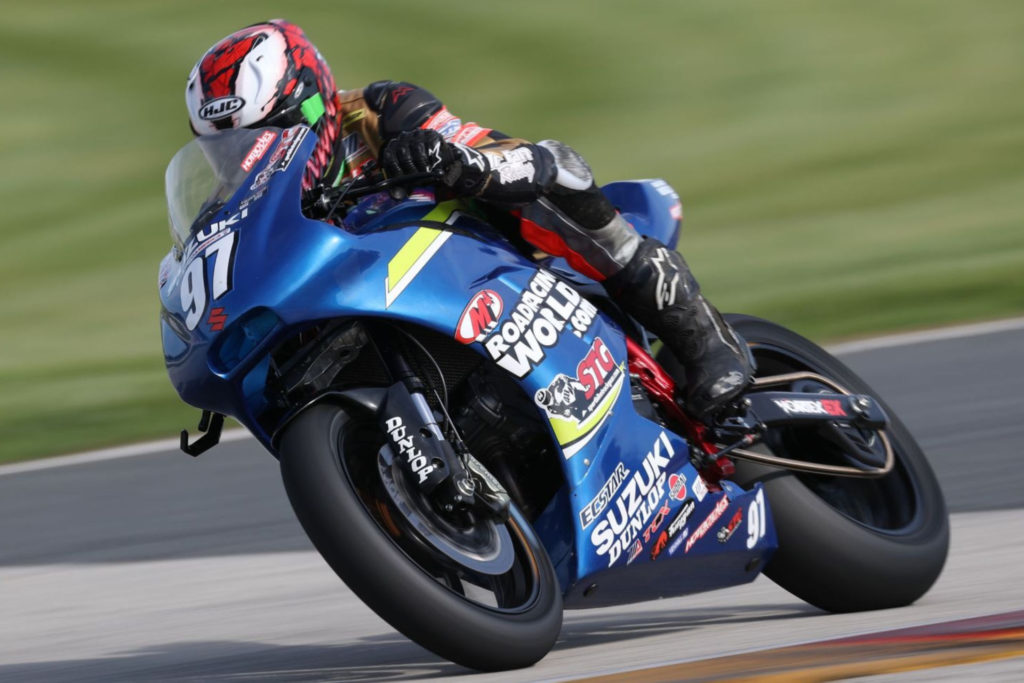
[{"x": 326, "y": 202}]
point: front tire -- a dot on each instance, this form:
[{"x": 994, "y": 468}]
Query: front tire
[{"x": 330, "y": 471}]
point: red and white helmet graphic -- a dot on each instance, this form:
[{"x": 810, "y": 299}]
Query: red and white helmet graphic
[{"x": 267, "y": 74}]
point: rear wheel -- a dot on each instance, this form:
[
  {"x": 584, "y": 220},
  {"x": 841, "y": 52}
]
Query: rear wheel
[
  {"x": 845, "y": 544},
  {"x": 478, "y": 592}
]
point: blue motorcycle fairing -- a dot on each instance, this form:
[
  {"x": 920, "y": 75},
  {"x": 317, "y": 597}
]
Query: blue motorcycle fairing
[
  {"x": 639, "y": 528},
  {"x": 265, "y": 271}
]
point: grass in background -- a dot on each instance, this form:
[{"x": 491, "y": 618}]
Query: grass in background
[{"x": 846, "y": 168}]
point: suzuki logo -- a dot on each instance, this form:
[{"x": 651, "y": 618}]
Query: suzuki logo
[{"x": 218, "y": 226}]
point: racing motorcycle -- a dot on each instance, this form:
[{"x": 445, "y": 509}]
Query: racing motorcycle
[{"x": 475, "y": 437}]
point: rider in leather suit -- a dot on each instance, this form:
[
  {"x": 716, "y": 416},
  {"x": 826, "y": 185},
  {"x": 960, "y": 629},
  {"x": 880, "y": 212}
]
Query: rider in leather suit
[{"x": 270, "y": 74}]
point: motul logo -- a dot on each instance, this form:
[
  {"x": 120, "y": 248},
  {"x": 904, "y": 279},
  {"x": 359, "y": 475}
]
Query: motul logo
[
  {"x": 220, "y": 107},
  {"x": 479, "y": 317}
]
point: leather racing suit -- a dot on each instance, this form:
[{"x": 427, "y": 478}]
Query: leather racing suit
[{"x": 551, "y": 190}]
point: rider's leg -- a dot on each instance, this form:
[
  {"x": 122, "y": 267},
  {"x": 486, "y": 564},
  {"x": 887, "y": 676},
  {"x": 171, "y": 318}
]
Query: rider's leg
[{"x": 649, "y": 280}]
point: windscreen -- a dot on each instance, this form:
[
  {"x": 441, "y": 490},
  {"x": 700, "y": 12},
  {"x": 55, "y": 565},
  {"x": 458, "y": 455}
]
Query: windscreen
[{"x": 206, "y": 172}]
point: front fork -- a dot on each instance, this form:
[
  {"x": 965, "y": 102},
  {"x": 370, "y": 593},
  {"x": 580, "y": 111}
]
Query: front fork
[{"x": 453, "y": 479}]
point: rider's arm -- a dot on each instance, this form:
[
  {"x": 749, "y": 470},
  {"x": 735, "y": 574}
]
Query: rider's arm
[
  {"x": 495, "y": 168},
  {"x": 400, "y": 107}
]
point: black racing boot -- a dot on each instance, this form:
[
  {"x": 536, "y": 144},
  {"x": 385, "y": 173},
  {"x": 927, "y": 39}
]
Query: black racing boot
[{"x": 657, "y": 288}]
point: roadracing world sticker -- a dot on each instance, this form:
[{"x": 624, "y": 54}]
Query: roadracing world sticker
[
  {"x": 545, "y": 309},
  {"x": 578, "y": 406}
]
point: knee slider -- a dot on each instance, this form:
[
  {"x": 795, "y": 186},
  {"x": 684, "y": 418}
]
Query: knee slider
[{"x": 573, "y": 173}]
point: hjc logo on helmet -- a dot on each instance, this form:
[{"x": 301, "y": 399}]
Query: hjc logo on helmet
[{"x": 221, "y": 107}]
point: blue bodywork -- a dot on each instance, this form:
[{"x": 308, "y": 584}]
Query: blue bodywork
[{"x": 634, "y": 521}]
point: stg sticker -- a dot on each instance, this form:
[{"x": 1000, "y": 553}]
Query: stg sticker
[{"x": 578, "y": 406}]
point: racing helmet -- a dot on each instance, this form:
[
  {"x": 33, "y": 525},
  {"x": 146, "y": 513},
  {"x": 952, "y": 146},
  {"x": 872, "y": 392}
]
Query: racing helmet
[{"x": 267, "y": 74}]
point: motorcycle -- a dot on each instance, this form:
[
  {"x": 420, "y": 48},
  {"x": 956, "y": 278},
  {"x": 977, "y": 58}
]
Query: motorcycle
[{"x": 475, "y": 437}]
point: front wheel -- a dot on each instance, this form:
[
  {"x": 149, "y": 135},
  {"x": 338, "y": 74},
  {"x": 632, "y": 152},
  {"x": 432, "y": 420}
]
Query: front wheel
[
  {"x": 845, "y": 544},
  {"x": 461, "y": 603}
]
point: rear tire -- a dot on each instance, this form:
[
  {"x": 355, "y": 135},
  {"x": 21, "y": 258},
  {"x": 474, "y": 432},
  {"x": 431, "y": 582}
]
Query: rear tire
[
  {"x": 845, "y": 544},
  {"x": 328, "y": 463}
]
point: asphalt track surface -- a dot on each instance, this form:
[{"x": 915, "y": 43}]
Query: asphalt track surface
[{"x": 161, "y": 567}]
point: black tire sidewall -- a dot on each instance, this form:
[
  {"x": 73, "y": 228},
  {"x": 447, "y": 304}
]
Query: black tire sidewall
[
  {"x": 824, "y": 557},
  {"x": 381, "y": 574}
]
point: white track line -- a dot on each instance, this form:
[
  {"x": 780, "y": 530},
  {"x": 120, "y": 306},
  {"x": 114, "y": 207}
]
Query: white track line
[
  {"x": 905, "y": 339},
  {"x": 924, "y": 336},
  {"x": 129, "y": 451}
]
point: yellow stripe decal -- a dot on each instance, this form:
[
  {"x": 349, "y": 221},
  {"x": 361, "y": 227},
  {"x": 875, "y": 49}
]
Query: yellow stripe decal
[{"x": 417, "y": 252}]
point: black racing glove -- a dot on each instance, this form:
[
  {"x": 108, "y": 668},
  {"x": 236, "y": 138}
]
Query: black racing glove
[{"x": 461, "y": 168}]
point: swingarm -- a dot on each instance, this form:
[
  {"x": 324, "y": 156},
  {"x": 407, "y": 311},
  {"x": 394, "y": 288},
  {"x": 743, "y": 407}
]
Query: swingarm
[{"x": 856, "y": 421}]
